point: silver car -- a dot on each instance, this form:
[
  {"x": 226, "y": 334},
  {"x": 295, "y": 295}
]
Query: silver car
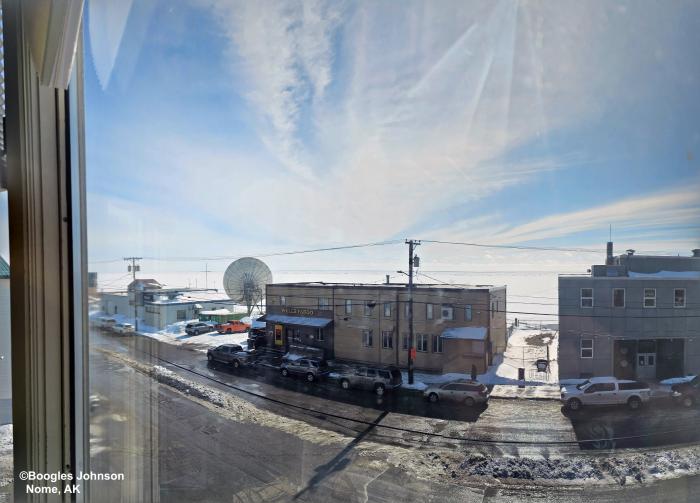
[
  {"x": 379, "y": 380},
  {"x": 312, "y": 370},
  {"x": 605, "y": 391},
  {"x": 468, "y": 392}
]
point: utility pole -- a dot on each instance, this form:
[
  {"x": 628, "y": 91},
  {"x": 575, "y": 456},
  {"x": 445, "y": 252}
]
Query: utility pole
[
  {"x": 133, "y": 268},
  {"x": 412, "y": 260}
]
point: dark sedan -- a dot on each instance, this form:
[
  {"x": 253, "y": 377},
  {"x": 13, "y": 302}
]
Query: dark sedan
[{"x": 688, "y": 393}]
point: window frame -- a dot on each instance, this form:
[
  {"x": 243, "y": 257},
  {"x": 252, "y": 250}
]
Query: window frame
[
  {"x": 420, "y": 339},
  {"x": 624, "y": 298},
  {"x": 387, "y": 335},
  {"x": 437, "y": 344},
  {"x": 442, "y": 312},
  {"x": 645, "y": 298},
  {"x": 367, "y": 338},
  {"x": 582, "y": 298},
  {"x": 468, "y": 312},
  {"x": 684, "y": 298},
  {"x": 429, "y": 311},
  {"x": 582, "y": 348},
  {"x": 387, "y": 309},
  {"x": 348, "y": 306}
]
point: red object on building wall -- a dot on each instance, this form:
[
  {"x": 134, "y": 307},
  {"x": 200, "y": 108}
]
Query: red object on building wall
[{"x": 413, "y": 353}]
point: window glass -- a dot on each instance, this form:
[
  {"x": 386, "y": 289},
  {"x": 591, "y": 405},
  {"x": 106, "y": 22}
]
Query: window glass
[
  {"x": 586, "y": 348},
  {"x": 348, "y": 306},
  {"x": 586, "y": 297},
  {"x": 367, "y": 338},
  {"x": 387, "y": 340},
  {"x": 429, "y": 311},
  {"x": 387, "y": 309},
  {"x": 618, "y": 297},
  {"x": 371, "y": 373},
  {"x": 649, "y": 297},
  {"x": 679, "y": 297},
  {"x": 468, "y": 313}
]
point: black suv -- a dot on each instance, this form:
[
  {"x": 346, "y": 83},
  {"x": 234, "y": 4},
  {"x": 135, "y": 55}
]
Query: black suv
[
  {"x": 688, "y": 393},
  {"x": 227, "y": 353},
  {"x": 198, "y": 328}
]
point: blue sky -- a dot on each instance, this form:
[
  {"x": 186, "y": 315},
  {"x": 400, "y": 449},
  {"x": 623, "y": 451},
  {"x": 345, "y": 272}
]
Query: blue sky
[{"x": 228, "y": 128}]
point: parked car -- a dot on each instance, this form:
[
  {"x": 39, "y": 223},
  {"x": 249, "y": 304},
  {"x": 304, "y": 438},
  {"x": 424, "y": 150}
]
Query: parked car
[
  {"x": 226, "y": 353},
  {"x": 123, "y": 328},
  {"x": 687, "y": 393},
  {"x": 256, "y": 338},
  {"x": 107, "y": 323},
  {"x": 468, "y": 392},
  {"x": 378, "y": 379},
  {"x": 232, "y": 327},
  {"x": 605, "y": 391},
  {"x": 311, "y": 369},
  {"x": 197, "y": 328}
]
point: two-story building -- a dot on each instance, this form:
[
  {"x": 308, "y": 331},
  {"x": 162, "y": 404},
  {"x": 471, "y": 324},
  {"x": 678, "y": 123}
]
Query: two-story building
[
  {"x": 454, "y": 327},
  {"x": 636, "y": 316}
]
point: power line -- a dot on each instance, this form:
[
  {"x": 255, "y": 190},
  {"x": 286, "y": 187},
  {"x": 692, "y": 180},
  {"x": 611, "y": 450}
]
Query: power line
[{"x": 512, "y": 247}]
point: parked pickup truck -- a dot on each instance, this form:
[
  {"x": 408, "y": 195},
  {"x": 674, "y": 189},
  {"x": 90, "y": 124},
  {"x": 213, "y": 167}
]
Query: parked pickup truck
[
  {"x": 377, "y": 379},
  {"x": 232, "y": 327},
  {"x": 605, "y": 391}
]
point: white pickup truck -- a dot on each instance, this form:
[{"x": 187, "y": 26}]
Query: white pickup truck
[{"x": 605, "y": 391}]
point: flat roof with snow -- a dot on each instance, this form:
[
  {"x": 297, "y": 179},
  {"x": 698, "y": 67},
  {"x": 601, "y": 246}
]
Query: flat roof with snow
[{"x": 468, "y": 333}]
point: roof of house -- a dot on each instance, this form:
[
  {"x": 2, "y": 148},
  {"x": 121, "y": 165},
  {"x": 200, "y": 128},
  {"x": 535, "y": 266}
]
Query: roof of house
[
  {"x": 4, "y": 269},
  {"x": 144, "y": 283}
]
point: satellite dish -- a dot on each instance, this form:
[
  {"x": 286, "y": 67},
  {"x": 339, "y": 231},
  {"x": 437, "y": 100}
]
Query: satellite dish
[{"x": 245, "y": 280}]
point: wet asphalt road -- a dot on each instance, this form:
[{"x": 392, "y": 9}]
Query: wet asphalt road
[
  {"x": 173, "y": 449},
  {"x": 542, "y": 422}
]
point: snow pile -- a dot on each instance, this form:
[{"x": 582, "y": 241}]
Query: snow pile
[
  {"x": 677, "y": 380},
  {"x": 5, "y": 455},
  {"x": 620, "y": 469}
]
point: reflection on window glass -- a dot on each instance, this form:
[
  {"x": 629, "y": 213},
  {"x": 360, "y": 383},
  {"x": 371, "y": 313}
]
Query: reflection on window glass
[{"x": 370, "y": 205}]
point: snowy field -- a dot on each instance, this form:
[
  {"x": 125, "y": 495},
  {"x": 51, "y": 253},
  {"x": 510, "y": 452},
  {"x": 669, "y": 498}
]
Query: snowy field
[{"x": 5, "y": 455}]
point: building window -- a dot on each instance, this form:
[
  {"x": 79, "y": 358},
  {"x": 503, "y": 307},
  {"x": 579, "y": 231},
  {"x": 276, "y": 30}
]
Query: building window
[
  {"x": 679, "y": 297},
  {"x": 367, "y": 309},
  {"x": 367, "y": 338},
  {"x": 422, "y": 343},
  {"x": 387, "y": 340},
  {"x": 428, "y": 311},
  {"x": 650, "y": 297},
  {"x": 468, "y": 312},
  {"x": 437, "y": 344},
  {"x": 319, "y": 334},
  {"x": 447, "y": 312},
  {"x": 323, "y": 302},
  {"x": 181, "y": 315},
  {"x": 405, "y": 344},
  {"x": 387, "y": 309},
  {"x": 586, "y": 348},
  {"x": 283, "y": 300},
  {"x": 586, "y": 297},
  {"x": 348, "y": 306},
  {"x": 618, "y": 297}
]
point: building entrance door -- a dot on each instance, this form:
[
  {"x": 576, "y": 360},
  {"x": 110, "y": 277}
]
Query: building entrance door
[{"x": 646, "y": 365}]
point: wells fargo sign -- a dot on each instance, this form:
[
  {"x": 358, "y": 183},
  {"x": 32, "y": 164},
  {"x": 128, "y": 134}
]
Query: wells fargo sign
[{"x": 296, "y": 311}]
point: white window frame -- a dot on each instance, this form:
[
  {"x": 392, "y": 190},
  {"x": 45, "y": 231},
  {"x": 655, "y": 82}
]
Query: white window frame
[
  {"x": 367, "y": 338},
  {"x": 429, "y": 311},
  {"x": 644, "y": 301},
  {"x": 387, "y": 309},
  {"x": 387, "y": 335},
  {"x": 348, "y": 306},
  {"x": 420, "y": 339},
  {"x": 624, "y": 298},
  {"x": 468, "y": 313},
  {"x": 437, "y": 344},
  {"x": 582, "y": 298},
  {"x": 674, "y": 298},
  {"x": 582, "y": 348}
]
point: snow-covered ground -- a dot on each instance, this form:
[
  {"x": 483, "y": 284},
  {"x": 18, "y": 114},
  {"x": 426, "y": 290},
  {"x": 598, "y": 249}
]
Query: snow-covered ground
[
  {"x": 175, "y": 334},
  {"x": 5, "y": 455},
  {"x": 525, "y": 347}
]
